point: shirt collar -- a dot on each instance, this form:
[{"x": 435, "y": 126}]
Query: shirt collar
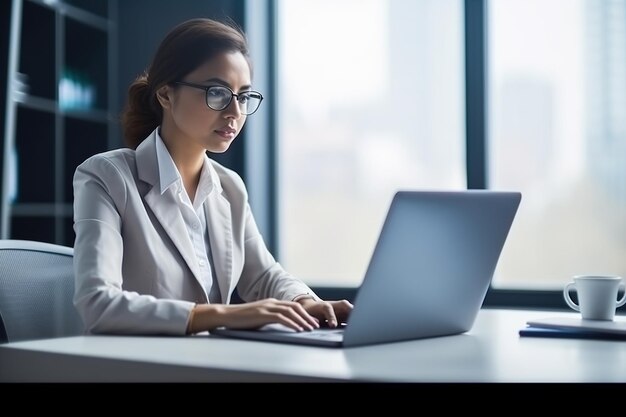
[
  {"x": 169, "y": 174},
  {"x": 206, "y": 183}
]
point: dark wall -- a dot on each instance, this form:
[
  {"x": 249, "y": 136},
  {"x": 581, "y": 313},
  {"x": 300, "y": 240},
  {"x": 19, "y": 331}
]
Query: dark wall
[{"x": 142, "y": 24}]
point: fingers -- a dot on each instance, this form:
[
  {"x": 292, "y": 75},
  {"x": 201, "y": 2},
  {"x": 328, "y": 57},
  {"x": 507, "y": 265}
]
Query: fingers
[
  {"x": 329, "y": 313},
  {"x": 342, "y": 310},
  {"x": 294, "y": 312},
  {"x": 290, "y": 314}
]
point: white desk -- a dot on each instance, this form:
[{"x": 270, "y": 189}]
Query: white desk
[{"x": 491, "y": 352}]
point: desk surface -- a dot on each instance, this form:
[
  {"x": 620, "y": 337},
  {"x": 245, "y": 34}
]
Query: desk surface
[{"x": 491, "y": 352}]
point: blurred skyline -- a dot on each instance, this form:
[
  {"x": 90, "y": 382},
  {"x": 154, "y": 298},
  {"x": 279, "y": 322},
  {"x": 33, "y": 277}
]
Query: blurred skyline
[{"x": 375, "y": 102}]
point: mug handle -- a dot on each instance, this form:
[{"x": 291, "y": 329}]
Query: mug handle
[
  {"x": 622, "y": 300},
  {"x": 572, "y": 304}
]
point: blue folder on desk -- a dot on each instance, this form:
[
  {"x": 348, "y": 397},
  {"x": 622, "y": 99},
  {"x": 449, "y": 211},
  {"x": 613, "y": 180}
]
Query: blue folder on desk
[{"x": 576, "y": 328}]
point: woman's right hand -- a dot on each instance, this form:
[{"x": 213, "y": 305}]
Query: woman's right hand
[{"x": 252, "y": 315}]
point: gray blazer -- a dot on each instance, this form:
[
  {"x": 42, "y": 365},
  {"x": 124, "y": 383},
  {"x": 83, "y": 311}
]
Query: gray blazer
[{"x": 134, "y": 262}]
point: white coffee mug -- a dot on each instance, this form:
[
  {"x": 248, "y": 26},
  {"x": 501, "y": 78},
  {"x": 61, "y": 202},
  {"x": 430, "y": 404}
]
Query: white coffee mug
[{"x": 597, "y": 296}]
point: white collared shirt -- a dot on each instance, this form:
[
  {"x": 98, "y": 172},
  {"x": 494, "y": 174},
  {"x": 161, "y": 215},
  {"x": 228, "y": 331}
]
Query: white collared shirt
[{"x": 194, "y": 214}]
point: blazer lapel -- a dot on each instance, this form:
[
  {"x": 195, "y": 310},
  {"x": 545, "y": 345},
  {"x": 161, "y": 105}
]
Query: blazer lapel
[
  {"x": 221, "y": 239},
  {"x": 164, "y": 206},
  {"x": 168, "y": 214}
]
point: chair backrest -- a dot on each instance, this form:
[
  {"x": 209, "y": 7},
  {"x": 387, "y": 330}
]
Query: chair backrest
[{"x": 36, "y": 291}]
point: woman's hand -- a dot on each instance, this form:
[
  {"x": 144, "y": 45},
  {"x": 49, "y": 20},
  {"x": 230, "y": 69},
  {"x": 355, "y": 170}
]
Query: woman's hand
[
  {"x": 304, "y": 314},
  {"x": 270, "y": 310},
  {"x": 332, "y": 312}
]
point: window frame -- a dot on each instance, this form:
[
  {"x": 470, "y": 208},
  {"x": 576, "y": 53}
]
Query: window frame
[{"x": 476, "y": 113}]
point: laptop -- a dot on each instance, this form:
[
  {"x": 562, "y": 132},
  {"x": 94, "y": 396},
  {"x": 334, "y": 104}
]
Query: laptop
[{"x": 428, "y": 274}]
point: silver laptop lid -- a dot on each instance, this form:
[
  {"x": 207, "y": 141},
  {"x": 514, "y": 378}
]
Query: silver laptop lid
[{"x": 432, "y": 265}]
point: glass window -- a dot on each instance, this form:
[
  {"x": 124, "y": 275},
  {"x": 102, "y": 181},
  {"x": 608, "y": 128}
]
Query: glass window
[
  {"x": 371, "y": 101},
  {"x": 557, "y": 133}
]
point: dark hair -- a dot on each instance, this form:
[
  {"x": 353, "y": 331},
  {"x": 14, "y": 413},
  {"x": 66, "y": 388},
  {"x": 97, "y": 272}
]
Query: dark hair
[{"x": 186, "y": 47}]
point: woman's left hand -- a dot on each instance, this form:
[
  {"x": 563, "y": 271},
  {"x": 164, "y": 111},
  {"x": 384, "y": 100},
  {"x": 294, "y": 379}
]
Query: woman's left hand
[{"x": 330, "y": 313}]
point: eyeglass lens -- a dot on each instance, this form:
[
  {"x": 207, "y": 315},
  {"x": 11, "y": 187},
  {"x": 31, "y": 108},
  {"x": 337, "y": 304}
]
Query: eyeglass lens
[{"x": 218, "y": 98}]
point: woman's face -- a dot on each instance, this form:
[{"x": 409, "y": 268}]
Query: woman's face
[{"x": 192, "y": 121}]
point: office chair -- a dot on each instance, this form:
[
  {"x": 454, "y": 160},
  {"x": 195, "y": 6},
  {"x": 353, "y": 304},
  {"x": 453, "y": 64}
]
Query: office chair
[{"x": 36, "y": 291}]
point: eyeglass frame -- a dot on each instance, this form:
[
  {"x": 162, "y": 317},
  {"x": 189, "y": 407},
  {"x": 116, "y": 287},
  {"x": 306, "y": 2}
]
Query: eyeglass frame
[{"x": 233, "y": 94}]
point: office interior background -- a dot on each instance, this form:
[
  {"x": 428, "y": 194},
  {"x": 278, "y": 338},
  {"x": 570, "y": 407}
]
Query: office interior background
[{"x": 363, "y": 97}]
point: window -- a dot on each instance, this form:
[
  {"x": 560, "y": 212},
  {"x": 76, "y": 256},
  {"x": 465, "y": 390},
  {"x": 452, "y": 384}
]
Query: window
[
  {"x": 371, "y": 100},
  {"x": 557, "y": 132}
]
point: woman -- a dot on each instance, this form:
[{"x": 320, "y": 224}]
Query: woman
[{"x": 164, "y": 234}]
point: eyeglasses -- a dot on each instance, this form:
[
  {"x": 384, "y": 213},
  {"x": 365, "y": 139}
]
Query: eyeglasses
[{"x": 218, "y": 97}]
